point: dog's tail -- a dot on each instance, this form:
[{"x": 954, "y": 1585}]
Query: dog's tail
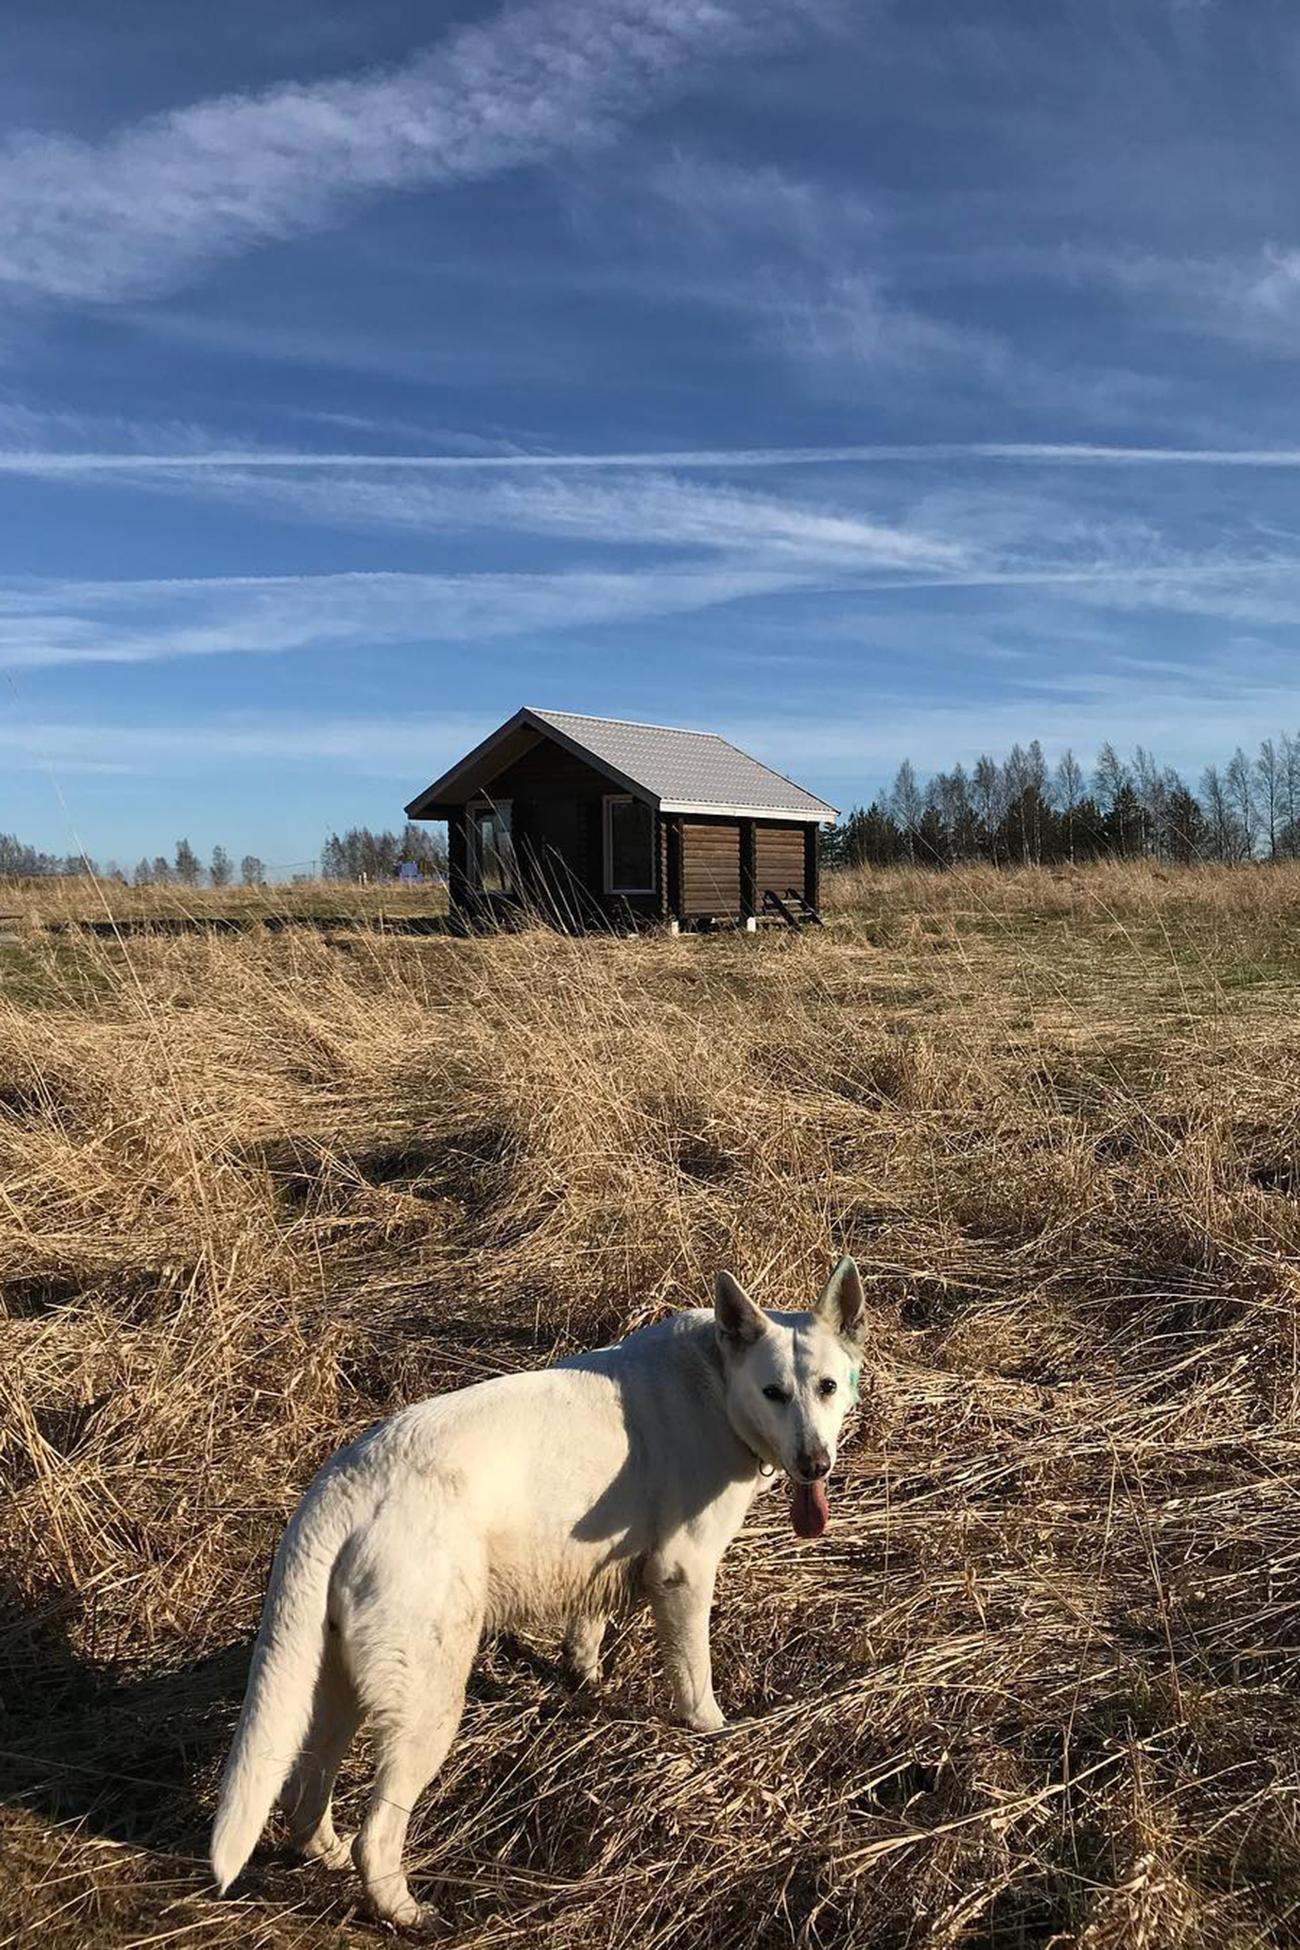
[{"x": 276, "y": 1713}]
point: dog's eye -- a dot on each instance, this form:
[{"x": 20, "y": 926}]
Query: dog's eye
[
  {"x": 828, "y": 1386},
  {"x": 775, "y": 1394}
]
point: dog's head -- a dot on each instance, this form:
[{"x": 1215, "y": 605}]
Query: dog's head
[{"x": 791, "y": 1379}]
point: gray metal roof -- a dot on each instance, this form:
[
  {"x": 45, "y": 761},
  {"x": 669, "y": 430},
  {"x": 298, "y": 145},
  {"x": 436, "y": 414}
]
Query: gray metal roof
[
  {"x": 678, "y": 771},
  {"x": 686, "y": 771}
]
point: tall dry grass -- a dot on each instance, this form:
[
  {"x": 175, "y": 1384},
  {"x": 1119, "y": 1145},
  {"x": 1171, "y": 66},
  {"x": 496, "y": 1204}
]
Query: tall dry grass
[{"x": 1038, "y": 1684}]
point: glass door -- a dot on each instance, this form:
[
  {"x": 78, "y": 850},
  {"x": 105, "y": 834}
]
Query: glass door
[{"x": 491, "y": 847}]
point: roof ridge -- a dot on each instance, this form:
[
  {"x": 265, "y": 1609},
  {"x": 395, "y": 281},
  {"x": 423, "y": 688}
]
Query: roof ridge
[{"x": 640, "y": 724}]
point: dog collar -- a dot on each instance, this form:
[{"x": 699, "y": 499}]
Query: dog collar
[{"x": 763, "y": 1468}]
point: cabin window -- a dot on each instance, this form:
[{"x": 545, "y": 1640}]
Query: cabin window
[
  {"x": 492, "y": 847},
  {"x": 629, "y": 846}
]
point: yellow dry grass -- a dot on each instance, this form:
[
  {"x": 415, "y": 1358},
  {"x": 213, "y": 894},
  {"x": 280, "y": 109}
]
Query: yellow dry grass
[{"x": 1038, "y": 1684}]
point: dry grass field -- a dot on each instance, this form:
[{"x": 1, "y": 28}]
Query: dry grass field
[{"x": 1037, "y": 1686}]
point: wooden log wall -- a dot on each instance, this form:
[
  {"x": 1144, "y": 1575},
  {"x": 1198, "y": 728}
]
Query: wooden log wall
[
  {"x": 780, "y": 858},
  {"x": 710, "y": 868}
]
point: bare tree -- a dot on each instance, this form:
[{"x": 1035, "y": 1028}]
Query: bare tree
[
  {"x": 1067, "y": 791},
  {"x": 1036, "y": 784},
  {"x": 1223, "y": 840},
  {"x": 1240, "y": 787},
  {"x": 1110, "y": 777},
  {"x": 986, "y": 785},
  {"x": 906, "y": 804},
  {"x": 252, "y": 873},
  {"x": 948, "y": 795},
  {"x": 1270, "y": 773},
  {"x": 221, "y": 871},
  {"x": 188, "y": 869},
  {"x": 1149, "y": 786},
  {"x": 1291, "y": 793}
]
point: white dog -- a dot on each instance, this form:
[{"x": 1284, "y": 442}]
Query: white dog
[{"x": 613, "y": 1478}]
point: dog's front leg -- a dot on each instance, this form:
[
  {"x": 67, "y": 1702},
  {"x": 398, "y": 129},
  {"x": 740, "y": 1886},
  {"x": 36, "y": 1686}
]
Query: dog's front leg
[
  {"x": 680, "y": 1596},
  {"x": 582, "y": 1650}
]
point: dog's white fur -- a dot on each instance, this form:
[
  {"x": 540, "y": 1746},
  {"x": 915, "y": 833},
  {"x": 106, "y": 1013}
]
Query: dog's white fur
[{"x": 612, "y": 1479}]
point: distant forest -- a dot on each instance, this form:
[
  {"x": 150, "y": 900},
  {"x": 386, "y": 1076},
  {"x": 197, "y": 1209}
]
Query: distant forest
[
  {"x": 1018, "y": 811},
  {"x": 1015, "y": 811}
]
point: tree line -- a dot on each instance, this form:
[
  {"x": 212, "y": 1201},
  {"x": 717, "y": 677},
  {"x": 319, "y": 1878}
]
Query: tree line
[
  {"x": 359, "y": 854},
  {"x": 1018, "y": 811}
]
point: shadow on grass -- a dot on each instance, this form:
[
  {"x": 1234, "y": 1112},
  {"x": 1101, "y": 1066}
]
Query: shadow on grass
[{"x": 117, "y": 1754}]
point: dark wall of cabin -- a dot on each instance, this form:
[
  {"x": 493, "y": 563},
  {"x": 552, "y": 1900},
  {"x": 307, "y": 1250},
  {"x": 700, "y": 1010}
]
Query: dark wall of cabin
[
  {"x": 558, "y": 829},
  {"x": 779, "y": 859},
  {"x": 556, "y": 810},
  {"x": 710, "y": 867}
]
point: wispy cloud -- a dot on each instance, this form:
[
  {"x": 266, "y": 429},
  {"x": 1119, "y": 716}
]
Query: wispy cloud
[
  {"x": 146, "y": 209},
  {"x": 1250, "y": 297},
  {"x": 69, "y": 463},
  {"x": 798, "y": 263},
  {"x": 632, "y": 511},
  {"x": 45, "y": 624}
]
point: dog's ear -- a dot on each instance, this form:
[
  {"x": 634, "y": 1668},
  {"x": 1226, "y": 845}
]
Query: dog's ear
[
  {"x": 843, "y": 1305},
  {"x": 737, "y": 1317}
]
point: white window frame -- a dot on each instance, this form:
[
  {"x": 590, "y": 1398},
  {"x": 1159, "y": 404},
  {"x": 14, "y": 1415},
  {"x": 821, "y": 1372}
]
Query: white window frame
[
  {"x": 504, "y": 809},
  {"x": 611, "y": 800}
]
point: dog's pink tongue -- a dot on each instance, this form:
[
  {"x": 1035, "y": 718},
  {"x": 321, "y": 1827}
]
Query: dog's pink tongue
[{"x": 810, "y": 1512}]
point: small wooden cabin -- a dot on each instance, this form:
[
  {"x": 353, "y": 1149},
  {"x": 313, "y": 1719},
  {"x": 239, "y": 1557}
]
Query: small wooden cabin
[{"x": 593, "y": 820}]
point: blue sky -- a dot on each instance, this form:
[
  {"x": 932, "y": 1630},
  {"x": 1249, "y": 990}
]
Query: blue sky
[{"x": 859, "y": 379}]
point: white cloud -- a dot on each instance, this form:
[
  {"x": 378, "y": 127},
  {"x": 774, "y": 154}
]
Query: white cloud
[
  {"x": 650, "y": 510},
  {"x": 1249, "y": 297},
  {"x": 202, "y": 455},
  {"x": 799, "y": 262},
  {"x": 46, "y": 624},
  {"x": 852, "y": 318},
  {"x": 144, "y": 210}
]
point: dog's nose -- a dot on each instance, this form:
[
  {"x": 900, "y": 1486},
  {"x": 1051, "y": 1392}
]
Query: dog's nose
[{"x": 813, "y": 1463}]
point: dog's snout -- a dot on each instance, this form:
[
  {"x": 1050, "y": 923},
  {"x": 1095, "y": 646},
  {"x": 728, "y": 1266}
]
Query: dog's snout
[{"x": 813, "y": 1463}]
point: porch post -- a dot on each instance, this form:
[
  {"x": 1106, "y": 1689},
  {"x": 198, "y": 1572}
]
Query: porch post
[
  {"x": 812, "y": 835},
  {"x": 673, "y": 822},
  {"x": 748, "y": 870}
]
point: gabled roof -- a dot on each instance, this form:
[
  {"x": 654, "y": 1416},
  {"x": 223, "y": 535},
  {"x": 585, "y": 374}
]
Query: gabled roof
[{"x": 677, "y": 771}]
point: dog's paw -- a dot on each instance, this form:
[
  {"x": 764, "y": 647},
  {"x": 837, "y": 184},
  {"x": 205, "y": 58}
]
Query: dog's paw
[
  {"x": 709, "y": 1719},
  {"x": 412, "y": 1918},
  {"x": 337, "y": 1856}
]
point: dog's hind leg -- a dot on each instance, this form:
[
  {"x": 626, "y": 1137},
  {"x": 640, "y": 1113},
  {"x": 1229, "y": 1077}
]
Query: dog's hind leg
[
  {"x": 335, "y": 1717},
  {"x": 414, "y": 1729},
  {"x": 582, "y": 1649},
  {"x": 410, "y": 1645}
]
